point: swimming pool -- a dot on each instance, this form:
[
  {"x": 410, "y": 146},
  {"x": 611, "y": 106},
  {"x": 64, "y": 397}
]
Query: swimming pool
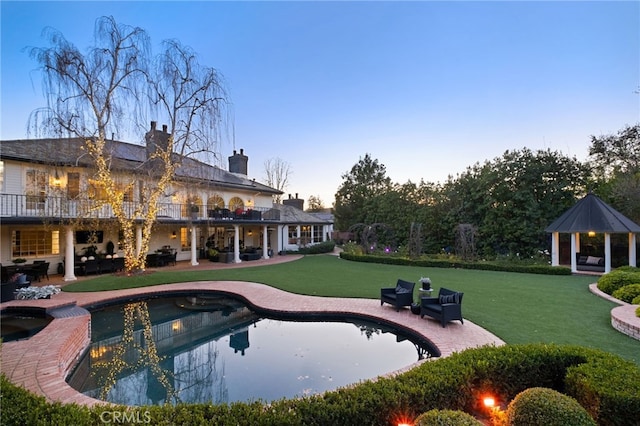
[{"x": 214, "y": 348}]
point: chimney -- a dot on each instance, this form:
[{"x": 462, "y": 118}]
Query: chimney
[
  {"x": 156, "y": 139},
  {"x": 294, "y": 202},
  {"x": 238, "y": 162}
]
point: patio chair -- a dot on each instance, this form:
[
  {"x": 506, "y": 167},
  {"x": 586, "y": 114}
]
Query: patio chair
[
  {"x": 446, "y": 307},
  {"x": 41, "y": 269},
  {"x": 398, "y": 296}
]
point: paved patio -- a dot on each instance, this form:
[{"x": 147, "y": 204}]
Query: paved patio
[{"x": 41, "y": 363}]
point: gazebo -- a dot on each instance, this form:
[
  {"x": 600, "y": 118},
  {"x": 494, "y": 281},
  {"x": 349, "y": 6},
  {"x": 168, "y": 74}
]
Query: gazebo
[{"x": 591, "y": 215}]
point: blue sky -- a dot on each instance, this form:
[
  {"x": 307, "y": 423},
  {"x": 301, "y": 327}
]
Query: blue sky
[{"x": 427, "y": 88}]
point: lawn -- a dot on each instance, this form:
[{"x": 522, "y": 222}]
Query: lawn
[{"x": 518, "y": 308}]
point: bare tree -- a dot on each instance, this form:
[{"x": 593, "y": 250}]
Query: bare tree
[
  {"x": 114, "y": 86},
  {"x": 277, "y": 173},
  {"x": 315, "y": 204}
]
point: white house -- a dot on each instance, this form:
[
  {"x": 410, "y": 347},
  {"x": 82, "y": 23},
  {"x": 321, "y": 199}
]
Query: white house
[{"x": 46, "y": 187}]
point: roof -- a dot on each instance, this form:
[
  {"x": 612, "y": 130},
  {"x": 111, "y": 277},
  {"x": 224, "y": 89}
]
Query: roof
[
  {"x": 125, "y": 156},
  {"x": 291, "y": 214},
  {"x": 593, "y": 214}
]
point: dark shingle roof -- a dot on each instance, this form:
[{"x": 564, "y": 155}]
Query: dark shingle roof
[
  {"x": 593, "y": 214},
  {"x": 125, "y": 156}
]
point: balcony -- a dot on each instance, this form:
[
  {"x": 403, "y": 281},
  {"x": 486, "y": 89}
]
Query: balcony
[{"x": 62, "y": 208}]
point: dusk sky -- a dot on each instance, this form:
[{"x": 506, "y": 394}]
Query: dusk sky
[{"x": 427, "y": 88}]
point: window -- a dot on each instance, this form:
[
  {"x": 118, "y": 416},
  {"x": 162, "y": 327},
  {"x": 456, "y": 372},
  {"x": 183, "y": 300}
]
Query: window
[
  {"x": 96, "y": 190},
  {"x": 36, "y": 187},
  {"x": 73, "y": 185},
  {"x": 215, "y": 202},
  {"x": 185, "y": 239},
  {"x": 236, "y": 203},
  {"x": 31, "y": 242},
  {"x": 305, "y": 235},
  {"x": 127, "y": 191},
  {"x": 317, "y": 233}
]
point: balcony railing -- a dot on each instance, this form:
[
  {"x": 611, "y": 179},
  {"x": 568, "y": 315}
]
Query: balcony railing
[{"x": 48, "y": 208}]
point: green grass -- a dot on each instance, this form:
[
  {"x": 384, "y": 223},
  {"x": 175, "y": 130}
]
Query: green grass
[{"x": 518, "y": 308}]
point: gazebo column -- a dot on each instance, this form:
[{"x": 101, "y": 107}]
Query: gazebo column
[
  {"x": 574, "y": 264},
  {"x": 555, "y": 249},
  {"x": 607, "y": 252},
  {"x": 632, "y": 249}
]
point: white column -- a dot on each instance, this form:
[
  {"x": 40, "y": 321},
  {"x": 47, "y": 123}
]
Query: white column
[
  {"x": 555, "y": 249},
  {"x": 574, "y": 266},
  {"x": 632, "y": 249},
  {"x": 265, "y": 243},
  {"x": 279, "y": 238},
  {"x": 194, "y": 247},
  {"x": 577, "y": 242},
  {"x": 138, "y": 239},
  {"x": 236, "y": 244},
  {"x": 607, "y": 252},
  {"x": 69, "y": 256}
]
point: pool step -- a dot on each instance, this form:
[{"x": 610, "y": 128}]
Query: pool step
[{"x": 67, "y": 311}]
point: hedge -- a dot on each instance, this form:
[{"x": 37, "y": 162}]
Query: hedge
[
  {"x": 618, "y": 278},
  {"x": 607, "y": 386},
  {"x": 544, "y": 406},
  {"x": 449, "y": 263}
]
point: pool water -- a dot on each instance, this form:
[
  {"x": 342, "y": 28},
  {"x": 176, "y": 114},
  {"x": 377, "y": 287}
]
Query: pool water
[
  {"x": 19, "y": 326},
  {"x": 215, "y": 349}
]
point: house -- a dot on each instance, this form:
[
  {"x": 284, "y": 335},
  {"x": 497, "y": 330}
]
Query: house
[{"x": 50, "y": 206}]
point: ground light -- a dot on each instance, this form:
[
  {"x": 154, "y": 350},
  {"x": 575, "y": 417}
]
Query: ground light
[{"x": 496, "y": 414}]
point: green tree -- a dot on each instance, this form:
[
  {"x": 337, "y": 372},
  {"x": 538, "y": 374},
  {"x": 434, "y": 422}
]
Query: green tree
[
  {"x": 366, "y": 180},
  {"x": 616, "y": 163},
  {"x": 513, "y": 198}
]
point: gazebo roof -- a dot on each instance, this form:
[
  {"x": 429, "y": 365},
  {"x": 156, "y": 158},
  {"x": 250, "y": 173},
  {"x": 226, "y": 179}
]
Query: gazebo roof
[{"x": 593, "y": 214}]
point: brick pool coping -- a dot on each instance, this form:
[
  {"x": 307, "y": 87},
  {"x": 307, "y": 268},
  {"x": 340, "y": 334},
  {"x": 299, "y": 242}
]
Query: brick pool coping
[
  {"x": 41, "y": 363},
  {"x": 623, "y": 317}
]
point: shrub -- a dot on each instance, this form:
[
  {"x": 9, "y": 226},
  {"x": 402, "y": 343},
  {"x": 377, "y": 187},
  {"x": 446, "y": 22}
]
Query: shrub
[
  {"x": 627, "y": 293},
  {"x": 638, "y": 309},
  {"x": 324, "y": 247},
  {"x": 352, "y": 248},
  {"x": 616, "y": 279},
  {"x": 544, "y": 406},
  {"x": 446, "y": 418},
  {"x": 607, "y": 386},
  {"x": 455, "y": 263}
]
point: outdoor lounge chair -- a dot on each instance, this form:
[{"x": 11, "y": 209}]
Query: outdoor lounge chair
[
  {"x": 398, "y": 296},
  {"x": 446, "y": 307}
]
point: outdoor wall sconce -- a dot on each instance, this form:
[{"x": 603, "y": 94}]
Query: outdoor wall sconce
[
  {"x": 174, "y": 235},
  {"x": 250, "y": 233},
  {"x": 591, "y": 233}
]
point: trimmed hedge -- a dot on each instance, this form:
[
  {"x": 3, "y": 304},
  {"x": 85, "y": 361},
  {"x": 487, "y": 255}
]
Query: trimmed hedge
[
  {"x": 618, "y": 278},
  {"x": 446, "y": 418},
  {"x": 544, "y": 406},
  {"x": 627, "y": 293},
  {"x": 607, "y": 386},
  {"x": 324, "y": 247},
  {"x": 449, "y": 263}
]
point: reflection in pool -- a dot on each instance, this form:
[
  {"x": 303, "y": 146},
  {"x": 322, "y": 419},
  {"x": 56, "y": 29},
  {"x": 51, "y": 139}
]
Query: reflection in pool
[{"x": 213, "y": 348}]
